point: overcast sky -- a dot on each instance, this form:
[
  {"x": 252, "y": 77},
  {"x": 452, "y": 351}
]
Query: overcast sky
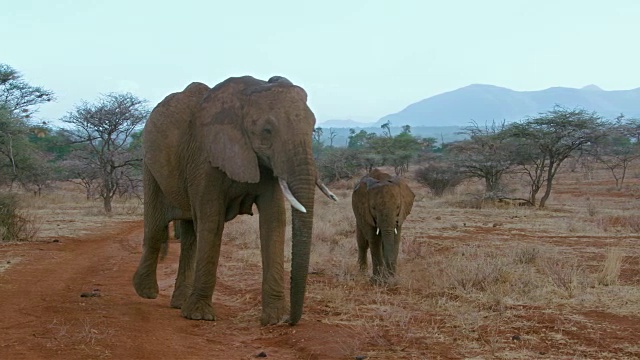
[{"x": 356, "y": 59}]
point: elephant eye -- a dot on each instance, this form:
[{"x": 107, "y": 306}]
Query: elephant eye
[{"x": 266, "y": 131}]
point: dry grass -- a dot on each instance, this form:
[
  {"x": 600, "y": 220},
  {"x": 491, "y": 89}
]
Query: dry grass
[
  {"x": 16, "y": 223},
  {"x": 93, "y": 336},
  {"x": 475, "y": 280},
  {"x": 620, "y": 223},
  {"x": 473, "y": 275},
  {"x": 64, "y": 211},
  {"x": 610, "y": 273}
]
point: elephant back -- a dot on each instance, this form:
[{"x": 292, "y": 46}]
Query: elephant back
[{"x": 168, "y": 125}]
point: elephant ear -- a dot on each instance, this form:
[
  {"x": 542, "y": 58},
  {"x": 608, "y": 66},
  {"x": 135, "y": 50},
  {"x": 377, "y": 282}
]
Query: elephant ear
[
  {"x": 407, "y": 200},
  {"x": 226, "y": 142},
  {"x": 360, "y": 200}
]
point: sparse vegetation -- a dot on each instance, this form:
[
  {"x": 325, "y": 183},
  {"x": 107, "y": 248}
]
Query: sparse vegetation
[
  {"x": 467, "y": 276},
  {"x": 15, "y": 225}
]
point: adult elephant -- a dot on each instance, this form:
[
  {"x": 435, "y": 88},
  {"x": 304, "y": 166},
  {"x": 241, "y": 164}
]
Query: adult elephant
[
  {"x": 380, "y": 204},
  {"x": 210, "y": 154}
]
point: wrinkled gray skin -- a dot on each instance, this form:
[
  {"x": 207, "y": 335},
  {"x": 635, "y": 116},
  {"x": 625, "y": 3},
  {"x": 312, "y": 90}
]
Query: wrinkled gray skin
[
  {"x": 380, "y": 204},
  {"x": 210, "y": 155}
]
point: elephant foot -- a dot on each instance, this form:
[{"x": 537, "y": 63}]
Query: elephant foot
[
  {"x": 362, "y": 268},
  {"x": 180, "y": 296},
  {"x": 274, "y": 314},
  {"x": 145, "y": 284},
  {"x": 382, "y": 280},
  {"x": 377, "y": 280},
  {"x": 198, "y": 309}
]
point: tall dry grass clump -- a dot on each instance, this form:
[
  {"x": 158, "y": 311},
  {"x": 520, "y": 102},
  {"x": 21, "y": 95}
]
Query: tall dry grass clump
[
  {"x": 15, "y": 225},
  {"x": 565, "y": 274},
  {"x": 618, "y": 223},
  {"x": 610, "y": 271}
]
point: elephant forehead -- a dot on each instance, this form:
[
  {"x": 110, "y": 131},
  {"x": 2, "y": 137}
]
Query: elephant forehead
[
  {"x": 382, "y": 186},
  {"x": 282, "y": 111},
  {"x": 384, "y": 194}
]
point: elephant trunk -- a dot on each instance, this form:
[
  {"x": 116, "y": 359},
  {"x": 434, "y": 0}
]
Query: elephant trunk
[
  {"x": 302, "y": 187},
  {"x": 390, "y": 249}
]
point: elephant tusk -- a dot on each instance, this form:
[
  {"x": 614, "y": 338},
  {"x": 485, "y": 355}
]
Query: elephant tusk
[
  {"x": 377, "y": 231},
  {"x": 326, "y": 191},
  {"x": 289, "y": 196},
  {"x": 396, "y": 230}
]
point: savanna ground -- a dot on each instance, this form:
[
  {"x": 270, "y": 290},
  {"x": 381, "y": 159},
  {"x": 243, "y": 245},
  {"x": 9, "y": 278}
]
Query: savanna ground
[{"x": 477, "y": 280}]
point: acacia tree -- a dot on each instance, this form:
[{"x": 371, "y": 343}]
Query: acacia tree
[
  {"x": 359, "y": 140},
  {"x": 106, "y": 126},
  {"x": 386, "y": 129},
  {"x": 404, "y": 148},
  {"x": 360, "y": 144},
  {"x": 546, "y": 141},
  {"x": 19, "y": 97},
  {"x": 332, "y": 135},
  {"x": 18, "y": 102},
  {"x": 486, "y": 154},
  {"x": 618, "y": 148}
]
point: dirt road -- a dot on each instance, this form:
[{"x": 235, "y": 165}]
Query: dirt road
[{"x": 44, "y": 316}]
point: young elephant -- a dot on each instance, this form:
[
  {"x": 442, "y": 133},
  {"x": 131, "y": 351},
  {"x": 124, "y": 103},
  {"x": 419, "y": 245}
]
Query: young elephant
[{"x": 380, "y": 203}]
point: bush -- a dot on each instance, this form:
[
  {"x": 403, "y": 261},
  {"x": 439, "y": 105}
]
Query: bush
[
  {"x": 439, "y": 178},
  {"x": 336, "y": 164},
  {"x": 14, "y": 226}
]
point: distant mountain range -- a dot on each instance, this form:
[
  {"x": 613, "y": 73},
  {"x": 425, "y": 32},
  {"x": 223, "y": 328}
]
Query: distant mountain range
[
  {"x": 344, "y": 124},
  {"x": 485, "y": 103}
]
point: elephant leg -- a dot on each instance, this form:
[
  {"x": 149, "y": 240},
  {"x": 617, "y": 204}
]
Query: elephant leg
[
  {"x": 209, "y": 235},
  {"x": 363, "y": 246},
  {"x": 272, "y": 234},
  {"x": 186, "y": 267},
  {"x": 156, "y": 235}
]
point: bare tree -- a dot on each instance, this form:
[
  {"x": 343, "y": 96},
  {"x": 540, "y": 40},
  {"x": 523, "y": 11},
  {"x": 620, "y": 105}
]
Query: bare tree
[
  {"x": 332, "y": 135},
  {"x": 317, "y": 143},
  {"x": 81, "y": 172},
  {"x": 106, "y": 126}
]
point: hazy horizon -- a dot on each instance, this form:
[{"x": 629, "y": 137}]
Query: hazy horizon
[{"x": 357, "y": 60}]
